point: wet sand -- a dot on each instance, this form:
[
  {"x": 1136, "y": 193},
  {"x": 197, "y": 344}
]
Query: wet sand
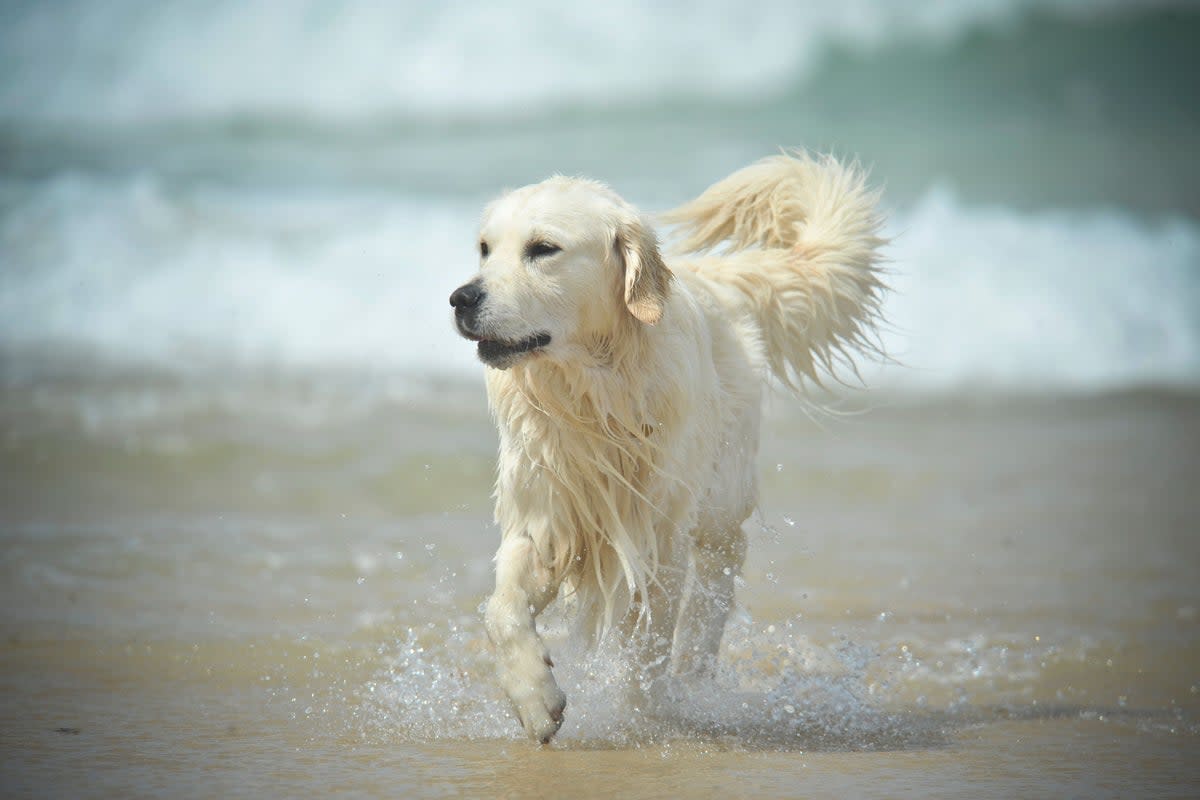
[{"x": 272, "y": 589}]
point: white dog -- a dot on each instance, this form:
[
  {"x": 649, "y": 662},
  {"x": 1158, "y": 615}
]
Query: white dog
[{"x": 627, "y": 393}]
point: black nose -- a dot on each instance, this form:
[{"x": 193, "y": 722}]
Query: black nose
[{"x": 467, "y": 296}]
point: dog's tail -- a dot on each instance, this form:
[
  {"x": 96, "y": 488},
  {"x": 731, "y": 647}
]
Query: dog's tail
[{"x": 798, "y": 238}]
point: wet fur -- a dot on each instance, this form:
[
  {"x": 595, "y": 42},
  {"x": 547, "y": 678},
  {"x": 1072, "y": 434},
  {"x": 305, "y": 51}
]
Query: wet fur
[{"x": 628, "y": 443}]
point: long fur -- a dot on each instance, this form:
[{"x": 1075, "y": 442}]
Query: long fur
[
  {"x": 799, "y": 239},
  {"x": 586, "y": 481},
  {"x": 605, "y": 456}
]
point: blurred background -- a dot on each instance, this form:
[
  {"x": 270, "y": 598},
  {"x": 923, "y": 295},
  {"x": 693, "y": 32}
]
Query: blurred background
[
  {"x": 245, "y": 462},
  {"x": 219, "y": 187}
]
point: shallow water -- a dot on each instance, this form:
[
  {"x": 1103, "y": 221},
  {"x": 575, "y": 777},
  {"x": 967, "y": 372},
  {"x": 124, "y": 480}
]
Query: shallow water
[
  {"x": 273, "y": 587},
  {"x": 245, "y": 463}
]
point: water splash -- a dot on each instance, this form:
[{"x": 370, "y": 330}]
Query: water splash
[{"x": 774, "y": 689}]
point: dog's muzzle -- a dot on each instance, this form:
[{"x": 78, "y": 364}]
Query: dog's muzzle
[
  {"x": 495, "y": 352},
  {"x": 466, "y": 300}
]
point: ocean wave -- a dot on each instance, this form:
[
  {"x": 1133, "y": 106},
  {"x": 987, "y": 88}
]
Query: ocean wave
[
  {"x": 133, "y": 271},
  {"x": 134, "y": 61},
  {"x": 1068, "y": 300}
]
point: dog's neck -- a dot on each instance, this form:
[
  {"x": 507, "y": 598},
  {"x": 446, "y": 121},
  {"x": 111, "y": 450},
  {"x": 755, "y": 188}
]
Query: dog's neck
[
  {"x": 606, "y": 390},
  {"x": 593, "y": 381}
]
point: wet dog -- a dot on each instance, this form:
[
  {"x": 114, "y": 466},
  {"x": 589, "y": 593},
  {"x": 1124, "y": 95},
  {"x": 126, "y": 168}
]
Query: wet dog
[{"x": 627, "y": 388}]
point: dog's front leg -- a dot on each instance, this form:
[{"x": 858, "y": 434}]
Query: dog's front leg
[
  {"x": 718, "y": 556},
  {"x": 648, "y": 627},
  {"x": 524, "y": 586}
]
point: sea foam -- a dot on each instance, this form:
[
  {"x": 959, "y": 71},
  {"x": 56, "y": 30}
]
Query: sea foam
[
  {"x": 138, "y": 273},
  {"x": 134, "y": 61}
]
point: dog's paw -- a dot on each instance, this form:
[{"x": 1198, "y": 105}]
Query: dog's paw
[
  {"x": 535, "y": 695},
  {"x": 540, "y": 710},
  {"x": 524, "y": 669}
]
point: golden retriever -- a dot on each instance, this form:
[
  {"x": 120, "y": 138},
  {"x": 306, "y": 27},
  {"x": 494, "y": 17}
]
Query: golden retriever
[{"x": 627, "y": 390}]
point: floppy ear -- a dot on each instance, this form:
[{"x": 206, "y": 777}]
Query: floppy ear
[{"x": 647, "y": 279}]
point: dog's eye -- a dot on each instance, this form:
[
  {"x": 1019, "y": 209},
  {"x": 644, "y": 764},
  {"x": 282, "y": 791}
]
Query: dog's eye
[
  {"x": 541, "y": 250},
  {"x": 483, "y": 250}
]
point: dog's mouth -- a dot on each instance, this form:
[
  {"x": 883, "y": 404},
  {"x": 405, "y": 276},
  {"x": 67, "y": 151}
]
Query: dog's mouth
[{"x": 502, "y": 355}]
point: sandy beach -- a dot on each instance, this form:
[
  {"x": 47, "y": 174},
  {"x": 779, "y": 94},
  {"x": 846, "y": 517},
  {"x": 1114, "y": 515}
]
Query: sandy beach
[
  {"x": 982, "y": 597},
  {"x": 246, "y": 464}
]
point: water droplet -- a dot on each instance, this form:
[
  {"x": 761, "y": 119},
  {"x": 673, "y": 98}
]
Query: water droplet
[
  {"x": 727, "y": 571},
  {"x": 790, "y": 522},
  {"x": 361, "y": 580},
  {"x": 779, "y": 467}
]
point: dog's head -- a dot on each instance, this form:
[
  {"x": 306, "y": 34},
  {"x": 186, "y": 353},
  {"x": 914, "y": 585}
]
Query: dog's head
[{"x": 563, "y": 263}]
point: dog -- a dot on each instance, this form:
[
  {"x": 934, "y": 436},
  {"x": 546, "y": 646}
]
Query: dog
[{"x": 627, "y": 390}]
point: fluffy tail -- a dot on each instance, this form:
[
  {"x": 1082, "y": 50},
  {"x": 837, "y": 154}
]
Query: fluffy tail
[{"x": 798, "y": 237}]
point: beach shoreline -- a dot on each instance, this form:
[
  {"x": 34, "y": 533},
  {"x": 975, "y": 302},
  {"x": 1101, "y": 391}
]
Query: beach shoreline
[{"x": 966, "y": 587}]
